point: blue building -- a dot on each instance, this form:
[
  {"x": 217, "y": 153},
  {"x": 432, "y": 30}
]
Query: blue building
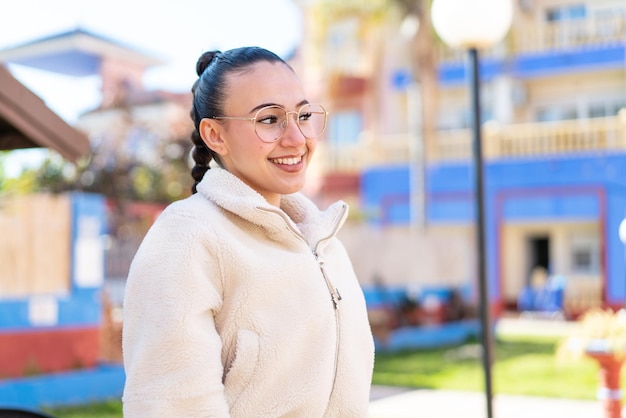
[
  {"x": 53, "y": 315},
  {"x": 554, "y": 145}
]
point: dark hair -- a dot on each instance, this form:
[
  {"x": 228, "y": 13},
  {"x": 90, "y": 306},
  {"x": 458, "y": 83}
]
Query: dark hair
[{"x": 209, "y": 93}]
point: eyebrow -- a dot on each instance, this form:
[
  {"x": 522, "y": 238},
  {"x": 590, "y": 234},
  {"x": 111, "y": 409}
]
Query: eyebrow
[{"x": 256, "y": 108}]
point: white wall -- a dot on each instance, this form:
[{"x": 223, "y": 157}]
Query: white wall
[
  {"x": 402, "y": 255},
  {"x": 582, "y": 287}
]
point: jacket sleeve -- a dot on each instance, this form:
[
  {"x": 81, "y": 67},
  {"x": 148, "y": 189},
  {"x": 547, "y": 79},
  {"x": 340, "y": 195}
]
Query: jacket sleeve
[{"x": 172, "y": 350}]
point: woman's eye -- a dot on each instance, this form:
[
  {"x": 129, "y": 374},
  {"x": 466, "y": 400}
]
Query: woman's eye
[
  {"x": 268, "y": 120},
  {"x": 305, "y": 116}
]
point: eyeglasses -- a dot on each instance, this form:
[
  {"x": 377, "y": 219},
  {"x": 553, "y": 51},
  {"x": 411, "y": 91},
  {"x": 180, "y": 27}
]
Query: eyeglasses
[{"x": 270, "y": 122}]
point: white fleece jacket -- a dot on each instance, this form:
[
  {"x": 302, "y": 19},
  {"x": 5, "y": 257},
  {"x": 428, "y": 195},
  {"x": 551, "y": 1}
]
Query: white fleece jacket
[{"x": 235, "y": 308}]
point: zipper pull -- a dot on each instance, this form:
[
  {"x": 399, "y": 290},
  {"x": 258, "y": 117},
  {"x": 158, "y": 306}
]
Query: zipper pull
[{"x": 336, "y": 297}]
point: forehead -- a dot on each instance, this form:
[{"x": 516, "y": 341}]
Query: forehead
[{"x": 263, "y": 82}]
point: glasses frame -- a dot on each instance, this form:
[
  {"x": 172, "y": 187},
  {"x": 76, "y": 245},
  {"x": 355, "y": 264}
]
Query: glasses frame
[{"x": 285, "y": 123}]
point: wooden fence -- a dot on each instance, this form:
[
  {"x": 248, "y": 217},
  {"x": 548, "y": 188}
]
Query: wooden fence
[{"x": 35, "y": 245}]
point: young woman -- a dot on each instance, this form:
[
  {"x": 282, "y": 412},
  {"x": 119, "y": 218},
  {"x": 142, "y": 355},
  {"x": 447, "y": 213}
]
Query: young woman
[{"x": 241, "y": 301}]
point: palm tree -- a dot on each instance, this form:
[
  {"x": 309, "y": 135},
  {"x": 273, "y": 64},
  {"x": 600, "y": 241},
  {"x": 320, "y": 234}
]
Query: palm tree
[
  {"x": 369, "y": 21},
  {"x": 424, "y": 59},
  {"x": 372, "y": 16}
]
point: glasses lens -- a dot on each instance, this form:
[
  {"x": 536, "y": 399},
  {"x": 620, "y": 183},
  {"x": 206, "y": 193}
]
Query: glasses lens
[
  {"x": 269, "y": 123},
  {"x": 312, "y": 120}
]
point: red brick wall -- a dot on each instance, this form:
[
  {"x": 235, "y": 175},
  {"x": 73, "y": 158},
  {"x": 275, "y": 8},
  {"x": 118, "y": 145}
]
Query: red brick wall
[{"x": 33, "y": 352}]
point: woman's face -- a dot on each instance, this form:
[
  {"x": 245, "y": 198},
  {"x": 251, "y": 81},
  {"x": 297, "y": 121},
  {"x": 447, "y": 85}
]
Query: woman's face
[{"x": 272, "y": 169}]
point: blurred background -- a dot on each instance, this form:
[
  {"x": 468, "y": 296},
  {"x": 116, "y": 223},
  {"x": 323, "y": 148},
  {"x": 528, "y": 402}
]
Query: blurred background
[{"x": 95, "y": 133}]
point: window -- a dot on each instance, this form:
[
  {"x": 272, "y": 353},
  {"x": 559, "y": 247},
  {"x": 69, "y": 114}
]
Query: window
[
  {"x": 344, "y": 127},
  {"x": 554, "y": 113},
  {"x": 585, "y": 254},
  {"x": 581, "y": 259},
  {"x": 566, "y": 12},
  {"x": 597, "y": 110},
  {"x": 609, "y": 23},
  {"x": 605, "y": 108},
  {"x": 567, "y": 26}
]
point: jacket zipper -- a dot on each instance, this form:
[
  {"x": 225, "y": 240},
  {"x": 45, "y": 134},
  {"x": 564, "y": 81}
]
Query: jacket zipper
[
  {"x": 335, "y": 296},
  {"x": 334, "y": 292}
]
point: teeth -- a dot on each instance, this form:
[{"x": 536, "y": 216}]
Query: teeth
[{"x": 287, "y": 161}]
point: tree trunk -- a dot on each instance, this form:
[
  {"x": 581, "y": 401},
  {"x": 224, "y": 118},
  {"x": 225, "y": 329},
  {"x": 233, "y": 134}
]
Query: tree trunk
[{"x": 424, "y": 57}]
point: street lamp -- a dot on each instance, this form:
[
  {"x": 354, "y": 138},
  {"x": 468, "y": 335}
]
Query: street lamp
[
  {"x": 622, "y": 237},
  {"x": 622, "y": 231},
  {"x": 474, "y": 25}
]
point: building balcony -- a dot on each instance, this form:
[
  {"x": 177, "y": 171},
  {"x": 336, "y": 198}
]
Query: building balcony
[
  {"x": 544, "y": 37},
  {"x": 369, "y": 151},
  {"x": 569, "y": 34},
  {"x": 512, "y": 141}
]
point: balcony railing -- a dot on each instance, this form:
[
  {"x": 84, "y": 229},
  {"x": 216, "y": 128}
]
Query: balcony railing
[
  {"x": 534, "y": 37},
  {"x": 572, "y": 136},
  {"x": 369, "y": 151},
  {"x": 499, "y": 142},
  {"x": 598, "y": 30}
]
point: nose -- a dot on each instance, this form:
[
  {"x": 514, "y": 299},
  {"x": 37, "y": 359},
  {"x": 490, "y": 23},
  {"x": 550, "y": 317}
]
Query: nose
[
  {"x": 291, "y": 130},
  {"x": 285, "y": 123}
]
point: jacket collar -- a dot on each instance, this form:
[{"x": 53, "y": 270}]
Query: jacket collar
[{"x": 301, "y": 214}]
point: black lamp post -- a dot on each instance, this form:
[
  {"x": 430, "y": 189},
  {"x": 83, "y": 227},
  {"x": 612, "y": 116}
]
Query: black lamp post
[
  {"x": 480, "y": 225},
  {"x": 472, "y": 25}
]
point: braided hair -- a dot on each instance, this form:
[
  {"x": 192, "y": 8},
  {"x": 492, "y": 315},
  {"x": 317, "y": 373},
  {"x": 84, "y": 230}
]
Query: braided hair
[{"x": 209, "y": 94}]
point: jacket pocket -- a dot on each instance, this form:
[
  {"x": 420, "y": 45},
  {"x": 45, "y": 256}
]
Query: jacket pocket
[{"x": 242, "y": 368}]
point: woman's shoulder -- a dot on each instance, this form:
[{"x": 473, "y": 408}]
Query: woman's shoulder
[
  {"x": 193, "y": 206},
  {"x": 185, "y": 216},
  {"x": 184, "y": 223}
]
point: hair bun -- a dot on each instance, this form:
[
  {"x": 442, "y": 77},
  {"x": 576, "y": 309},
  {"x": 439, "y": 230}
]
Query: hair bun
[{"x": 205, "y": 60}]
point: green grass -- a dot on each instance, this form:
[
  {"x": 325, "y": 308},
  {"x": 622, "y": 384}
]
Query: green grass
[
  {"x": 523, "y": 366},
  {"x": 111, "y": 409}
]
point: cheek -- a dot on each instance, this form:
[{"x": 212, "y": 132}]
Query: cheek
[
  {"x": 257, "y": 152},
  {"x": 252, "y": 148},
  {"x": 311, "y": 145}
]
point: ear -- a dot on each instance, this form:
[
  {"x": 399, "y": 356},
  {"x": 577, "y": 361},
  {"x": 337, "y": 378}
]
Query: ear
[{"x": 210, "y": 131}]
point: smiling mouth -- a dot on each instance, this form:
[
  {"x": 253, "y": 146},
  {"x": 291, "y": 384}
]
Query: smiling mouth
[{"x": 287, "y": 161}]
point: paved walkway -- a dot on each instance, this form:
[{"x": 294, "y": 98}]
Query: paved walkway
[
  {"x": 390, "y": 402},
  {"x": 426, "y": 403}
]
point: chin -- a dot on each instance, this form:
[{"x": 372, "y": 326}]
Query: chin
[{"x": 293, "y": 188}]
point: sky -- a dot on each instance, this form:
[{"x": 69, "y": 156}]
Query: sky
[{"x": 177, "y": 32}]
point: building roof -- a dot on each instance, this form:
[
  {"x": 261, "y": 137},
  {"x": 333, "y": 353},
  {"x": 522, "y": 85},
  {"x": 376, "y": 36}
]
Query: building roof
[
  {"x": 75, "y": 53},
  {"x": 26, "y": 122}
]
